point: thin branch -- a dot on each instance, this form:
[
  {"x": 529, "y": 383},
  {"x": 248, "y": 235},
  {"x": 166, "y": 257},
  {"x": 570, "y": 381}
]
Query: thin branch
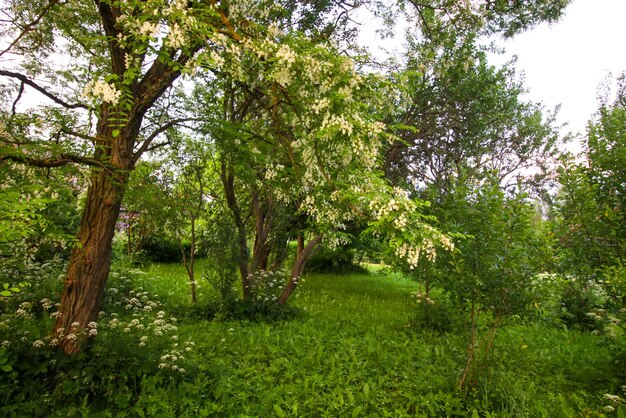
[
  {"x": 29, "y": 26},
  {"x": 17, "y": 99},
  {"x": 145, "y": 146},
  {"x": 157, "y": 146},
  {"x": 78, "y": 135},
  {"x": 59, "y": 161},
  {"x": 42, "y": 90}
]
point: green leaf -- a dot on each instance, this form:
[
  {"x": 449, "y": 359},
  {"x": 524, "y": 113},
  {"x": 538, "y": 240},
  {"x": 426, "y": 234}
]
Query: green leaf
[
  {"x": 116, "y": 133},
  {"x": 6, "y": 368},
  {"x": 5, "y": 293},
  {"x": 279, "y": 411}
]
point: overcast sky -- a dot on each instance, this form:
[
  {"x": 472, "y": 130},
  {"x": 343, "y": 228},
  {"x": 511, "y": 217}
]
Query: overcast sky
[{"x": 564, "y": 63}]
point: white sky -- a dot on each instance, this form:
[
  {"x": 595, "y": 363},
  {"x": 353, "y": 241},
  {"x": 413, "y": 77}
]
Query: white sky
[{"x": 565, "y": 63}]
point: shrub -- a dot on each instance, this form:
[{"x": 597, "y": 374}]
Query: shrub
[
  {"x": 132, "y": 339},
  {"x": 340, "y": 260}
]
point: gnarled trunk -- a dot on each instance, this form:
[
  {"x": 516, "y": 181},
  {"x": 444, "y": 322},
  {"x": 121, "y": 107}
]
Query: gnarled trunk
[{"x": 89, "y": 264}]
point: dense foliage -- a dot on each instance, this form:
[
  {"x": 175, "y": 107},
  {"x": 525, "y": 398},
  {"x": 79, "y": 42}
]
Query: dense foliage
[{"x": 453, "y": 259}]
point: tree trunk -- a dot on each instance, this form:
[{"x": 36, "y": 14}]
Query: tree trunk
[
  {"x": 89, "y": 264},
  {"x": 262, "y": 245},
  {"x": 189, "y": 261},
  {"x": 228, "y": 181},
  {"x": 298, "y": 267},
  {"x": 279, "y": 253}
]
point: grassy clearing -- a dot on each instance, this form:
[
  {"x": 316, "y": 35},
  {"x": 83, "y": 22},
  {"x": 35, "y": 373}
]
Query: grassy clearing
[
  {"x": 354, "y": 348},
  {"x": 351, "y": 351}
]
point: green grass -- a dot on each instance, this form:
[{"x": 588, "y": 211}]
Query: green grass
[{"x": 353, "y": 349}]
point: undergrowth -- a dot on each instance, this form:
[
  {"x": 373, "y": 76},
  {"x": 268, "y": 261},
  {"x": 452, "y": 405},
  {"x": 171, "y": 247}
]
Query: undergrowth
[{"x": 352, "y": 345}]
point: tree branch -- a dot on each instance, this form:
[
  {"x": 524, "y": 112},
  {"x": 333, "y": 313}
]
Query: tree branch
[
  {"x": 145, "y": 146},
  {"x": 17, "y": 99},
  {"x": 42, "y": 90},
  {"x": 78, "y": 135},
  {"x": 59, "y": 161},
  {"x": 29, "y": 26},
  {"x": 109, "y": 15}
]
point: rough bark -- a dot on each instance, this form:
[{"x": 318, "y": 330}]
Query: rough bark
[
  {"x": 90, "y": 261},
  {"x": 303, "y": 255},
  {"x": 89, "y": 264}
]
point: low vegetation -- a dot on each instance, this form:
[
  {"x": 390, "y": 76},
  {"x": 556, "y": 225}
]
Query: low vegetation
[{"x": 353, "y": 345}]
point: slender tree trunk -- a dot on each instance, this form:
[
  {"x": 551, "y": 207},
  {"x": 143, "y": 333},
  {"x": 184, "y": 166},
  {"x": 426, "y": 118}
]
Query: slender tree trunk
[
  {"x": 471, "y": 348},
  {"x": 298, "y": 267},
  {"x": 188, "y": 262},
  {"x": 90, "y": 261},
  {"x": 228, "y": 181},
  {"x": 279, "y": 253},
  {"x": 262, "y": 245},
  {"x": 129, "y": 231}
]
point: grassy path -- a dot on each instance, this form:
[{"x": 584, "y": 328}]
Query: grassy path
[{"x": 350, "y": 352}]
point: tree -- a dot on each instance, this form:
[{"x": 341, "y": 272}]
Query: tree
[
  {"x": 125, "y": 56},
  {"x": 589, "y": 212},
  {"x": 464, "y": 117},
  {"x": 133, "y": 53},
  {"x": 188, "y": 199}
]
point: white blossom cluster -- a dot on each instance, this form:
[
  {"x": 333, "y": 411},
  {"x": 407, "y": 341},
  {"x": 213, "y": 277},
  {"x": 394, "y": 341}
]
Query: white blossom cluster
[
  {"x": 266, "y": 286},
  {"x": 101, "y": 91},
  {"x": 422, "y": 297}
]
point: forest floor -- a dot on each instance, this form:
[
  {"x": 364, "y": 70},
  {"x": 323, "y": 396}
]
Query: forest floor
[
  {"x": 355, "y": 347},
  {"x": 352, "y": 345}
]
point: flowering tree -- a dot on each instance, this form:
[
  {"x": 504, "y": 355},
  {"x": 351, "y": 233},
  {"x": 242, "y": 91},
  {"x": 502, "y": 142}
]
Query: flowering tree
[
  {"x": 299, "y": 134},
  {"x": 125, "y": 56},
  {"x": 109, "y": 105}
]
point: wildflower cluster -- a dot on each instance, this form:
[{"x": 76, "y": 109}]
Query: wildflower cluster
[
  {"x": 266, "y": 286},
  {"x": 171, "y": 359},
  {"x": 615, "y": 401},
  {"x": 610, "y": 325},
  {"x": 422, "y": 298}
]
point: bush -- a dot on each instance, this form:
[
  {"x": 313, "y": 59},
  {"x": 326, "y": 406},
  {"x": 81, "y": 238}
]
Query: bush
[
  {"x": 434, "y": 314},
  {"x": 340, "y": 261},
  {"x": 134, "y": 340}
]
